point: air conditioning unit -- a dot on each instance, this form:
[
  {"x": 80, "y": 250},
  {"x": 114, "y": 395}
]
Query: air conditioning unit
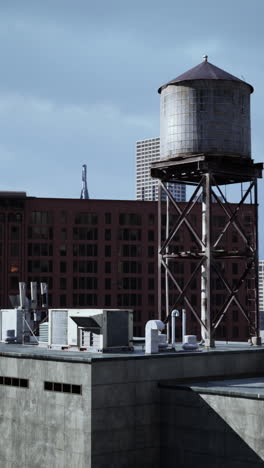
[
  {"x": 11, "y": 325},
  {"x": 96, "y": 330}
]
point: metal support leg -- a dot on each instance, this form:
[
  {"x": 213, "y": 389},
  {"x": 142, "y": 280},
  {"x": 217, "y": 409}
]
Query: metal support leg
[
  {"x": 206, "y": 267},
  {"x": 256, "y": 340},
  {"x": 159, "y": 254}
]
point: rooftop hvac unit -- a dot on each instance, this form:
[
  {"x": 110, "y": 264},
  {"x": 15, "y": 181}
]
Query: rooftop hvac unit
[
  {"x": 11, "y": 320},
  {"x": 94, "y": 329},
  {"x": 44, "y": 332}
]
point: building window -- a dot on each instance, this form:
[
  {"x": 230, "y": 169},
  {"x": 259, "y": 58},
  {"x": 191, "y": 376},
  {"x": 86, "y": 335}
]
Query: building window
[
  {"x": 129, "y": 234},
  {"x": 151, "y": 236},
  {"x": 14, "y": 232},
  {"x": 150, "y": 251},
  {"x": 63, "y": 234},
  {"x": 63, "y": 267},
  {"x": 108, "y": 283},
  {"x": 63, "y": 301},
  {"x": 86, "y": 218},
  {"x": 137, "y": 315},
  {"x": 107, "y": 300},
  {"x": 137, "y": 331},
  {"x": 85, "y": 250},
  {"x": 130, "y": 267},
  {"x": 128, "y": 250},
  {"x": 40, "y": 250},
  {"x": 63, "y": 250},
  {"x": 40, "y": 232},
  {"x": 85, "y": 233},
  {"x": 193, "y": 301},
  {"x": 40, "y": 217},
  {"x": 85, "y": 282},
  {"x": 151, "y": 283},
  {"x": 13, "y": 282},
  {"x": 151, "y": 299},
  {"x": 14, "y": 268},
  {"x": 151, "y": 219},
  {"x": 218, "y": 221},
  {"x": 151, "y": 268},
  {"x": 129, "y": 300},
  {"x": 108, "y": 218},
  {"x": 108, "y": 267},
  {"x": 234, "y": 236},
  {"x": 132, "y": 219},
  {"x": 130, "y": 283},
  {"x": 235, "y": 315},
  {"x": 14, "y": 250},
  {"x": 63, "y": 283},
  {"x": 108, "y": 251},
  {"x": 85, "y": 266},
  {"x": 107, "y": 234},
  {"x": 177, "y": 267},
  {"x": 85, "y": 299},
  {"x": 40, "y": 266},
  {"x": 63, "y": 217},
  {"x": 14, "y": 217}
]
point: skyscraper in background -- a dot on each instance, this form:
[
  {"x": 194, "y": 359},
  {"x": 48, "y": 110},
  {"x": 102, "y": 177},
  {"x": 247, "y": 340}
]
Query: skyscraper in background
[
  {"x": 148, "y": 151},
  {"x": 261, "y": 285},
  {"x": 261, "y": 297}
]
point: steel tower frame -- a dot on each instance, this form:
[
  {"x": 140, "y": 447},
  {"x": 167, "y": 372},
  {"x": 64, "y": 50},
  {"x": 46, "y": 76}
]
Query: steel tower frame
[{"x": 207, "y": 173}]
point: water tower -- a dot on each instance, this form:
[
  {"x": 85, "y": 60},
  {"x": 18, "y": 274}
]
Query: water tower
[{"x": 205, "y": 143}]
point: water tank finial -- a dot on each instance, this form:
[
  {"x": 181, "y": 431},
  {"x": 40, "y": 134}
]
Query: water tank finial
[{"x": 205, "y": 57}]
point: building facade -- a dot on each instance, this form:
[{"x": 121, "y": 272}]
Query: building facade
[
  {"x": 147, "y": 152},
  {"x": 261, "y": 285},
  {"x": 104, "y": 254}
]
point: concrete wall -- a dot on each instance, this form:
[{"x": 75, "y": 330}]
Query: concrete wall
[
  {"x": 41, "y": 428},
  {"x": 126, "y": 401},
  {"x": 211, "y": 430},
  {"x": 114, "y": 423}
]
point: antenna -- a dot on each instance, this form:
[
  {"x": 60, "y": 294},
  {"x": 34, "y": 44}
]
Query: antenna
[{"x": 84, "y": 191}]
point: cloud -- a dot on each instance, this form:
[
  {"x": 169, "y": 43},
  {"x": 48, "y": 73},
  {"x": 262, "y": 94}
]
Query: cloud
[{"x": 39, "y": 133}]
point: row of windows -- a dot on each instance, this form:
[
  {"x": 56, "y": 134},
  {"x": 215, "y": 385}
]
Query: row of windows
[
  {"x": 51, "y": 386},
  {"x": 46, "y": 217},
  {"x": 83, "y": 266},
  {"x": 40, "y": 250},
  {"x": 40, "y": 232},
  {"x": 14, "y": 382},
  {"x": 91, "y": 250},
  {"x": 83, "y": 282},
  {"x": 63, "y": 387},
  {"x": 11, "y": 217},
  {"x": 83, "y": 250},
  {"x": 86, "y": 282}
]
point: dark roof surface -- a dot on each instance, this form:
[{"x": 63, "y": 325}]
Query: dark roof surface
[{"x": 204, "y": 71}]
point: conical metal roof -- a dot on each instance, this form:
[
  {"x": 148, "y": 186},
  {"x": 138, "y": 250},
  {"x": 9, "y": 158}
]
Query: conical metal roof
[{"x": 205, "y": 71}]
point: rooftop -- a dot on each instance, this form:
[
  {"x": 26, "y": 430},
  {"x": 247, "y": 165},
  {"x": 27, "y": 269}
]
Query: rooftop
[
  {"x": 242, "y": 388},
  {"x": 42, "y": 353}
]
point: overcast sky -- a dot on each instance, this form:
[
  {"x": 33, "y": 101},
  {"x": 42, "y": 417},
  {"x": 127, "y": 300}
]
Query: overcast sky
[{"x": 79, "y": 80}]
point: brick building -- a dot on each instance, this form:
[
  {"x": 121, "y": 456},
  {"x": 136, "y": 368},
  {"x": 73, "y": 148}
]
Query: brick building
[{"x": 103, "y": 253}]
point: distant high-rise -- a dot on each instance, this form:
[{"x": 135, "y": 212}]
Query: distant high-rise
[
  {"x": 84, "y": 191},
  {"x": 148, "y": 151},
  {"x": 261, "y": 285}
]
